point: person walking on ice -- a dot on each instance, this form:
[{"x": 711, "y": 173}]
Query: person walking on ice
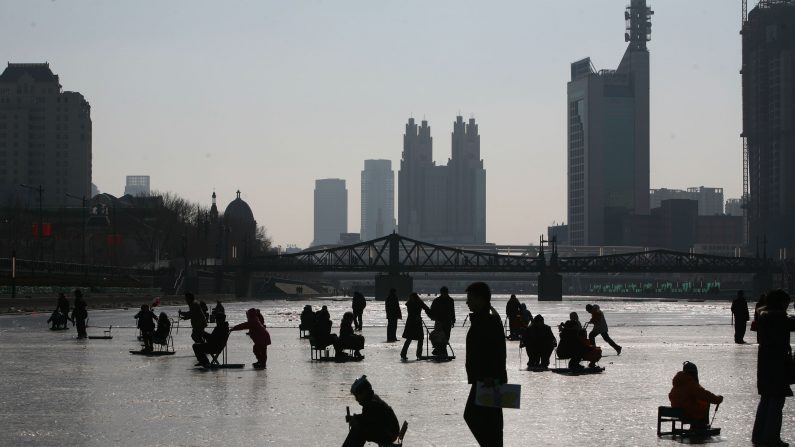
[{"x": 600, "y": 327}]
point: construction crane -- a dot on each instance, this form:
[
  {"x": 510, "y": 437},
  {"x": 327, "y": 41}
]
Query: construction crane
[{"x": 745, "y": 198}]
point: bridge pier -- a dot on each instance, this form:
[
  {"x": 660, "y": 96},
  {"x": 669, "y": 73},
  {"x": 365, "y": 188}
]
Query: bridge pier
[
  {"x": 242, "y": 284},
  {"x": 403, "y": 284},
  {"x": 550, "y": 286},
  {"x": 763, "y": 282}
]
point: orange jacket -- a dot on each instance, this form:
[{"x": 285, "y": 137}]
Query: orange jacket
[{"x": 688, "y": 395}]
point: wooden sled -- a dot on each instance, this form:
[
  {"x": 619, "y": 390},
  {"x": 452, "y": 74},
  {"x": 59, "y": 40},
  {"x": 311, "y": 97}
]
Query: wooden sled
[
  {"x": 215, "y": 364},
  {"x": 152, "y": 353},
  {"x": 577, "y": 371},
  {"x": 342, "y": 359},
  {"x": 437, "y": 358},
  {"x": 106, "y": 335},
  {"x": 59, "y": 328},
  {"x": 678, "y": 421},
  {"x": 537, "y": 368}
]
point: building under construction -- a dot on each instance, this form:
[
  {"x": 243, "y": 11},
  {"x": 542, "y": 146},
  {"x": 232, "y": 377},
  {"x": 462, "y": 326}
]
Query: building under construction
[{"x": 768, "y": 80}]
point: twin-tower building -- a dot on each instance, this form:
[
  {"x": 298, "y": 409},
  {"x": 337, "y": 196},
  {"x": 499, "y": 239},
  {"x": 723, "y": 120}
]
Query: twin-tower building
[{"x": 444, "y": 204}]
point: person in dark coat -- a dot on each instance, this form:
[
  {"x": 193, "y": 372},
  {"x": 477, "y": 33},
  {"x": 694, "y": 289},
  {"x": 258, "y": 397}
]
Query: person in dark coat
[
  {"x": 146, "y": 323},
  {"x": 80, "y": 314},
  {"x": 485, "y": 363},
  {"x": 214, "y": 341},
  {"x": 741, "y": 317},
  {"x": 539, "y": 342},
  {"x": 218, "y": 309},
  {"x": 358, "y": 304},
  {"x": 163, "y": 329},
  {"x": 196, "y": 316},
  {"x": 307, "y": 318},
  {"x": 63, "y": 308},
  {"x": 413, "y": 329},
  {"x": 349, "y": 340},
  {"x": 393, "y": 314},
  {"x": 320, "y": 335},
  {"x": 377, "y": 423},
  {"x": 513, "y": 312},
  {"x": 443, "y": 315},
  {"x": 773, "y": 366}
]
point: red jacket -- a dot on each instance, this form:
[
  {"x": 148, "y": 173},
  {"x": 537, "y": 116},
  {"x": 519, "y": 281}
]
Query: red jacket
[
  {"x": 688, "y": 395},
  {"x": 256, "y": 330}
]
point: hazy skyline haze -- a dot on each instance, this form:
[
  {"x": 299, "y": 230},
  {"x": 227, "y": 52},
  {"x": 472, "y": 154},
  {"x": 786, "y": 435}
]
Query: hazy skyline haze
[{"x": 269, "y": 96}]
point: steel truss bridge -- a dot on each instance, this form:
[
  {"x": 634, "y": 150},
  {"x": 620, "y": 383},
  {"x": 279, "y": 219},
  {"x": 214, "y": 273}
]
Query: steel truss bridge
[{"x": 395, "y": 254}]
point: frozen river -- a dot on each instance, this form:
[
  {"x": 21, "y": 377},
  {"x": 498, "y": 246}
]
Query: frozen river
[{"x": 56, "y": 390}]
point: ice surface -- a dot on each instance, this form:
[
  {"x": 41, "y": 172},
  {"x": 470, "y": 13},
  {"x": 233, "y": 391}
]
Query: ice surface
[{"x": 56, "y": 390}]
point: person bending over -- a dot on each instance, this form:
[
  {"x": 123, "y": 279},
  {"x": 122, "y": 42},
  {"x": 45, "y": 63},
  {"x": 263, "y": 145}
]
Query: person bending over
[
  {"x": 691, "y": 397},
  {"x": 259, "y": 335},
  {"x": 539, "y": 342},
  {"x": 377, "y": 422}
]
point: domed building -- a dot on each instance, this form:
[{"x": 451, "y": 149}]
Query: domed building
[{"x": 237, "y": 231}]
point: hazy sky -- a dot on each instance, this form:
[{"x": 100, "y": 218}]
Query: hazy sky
[{"x": 267, "y": 96}]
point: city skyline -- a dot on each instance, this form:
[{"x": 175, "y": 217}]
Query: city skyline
[{"x": 238, "y": 100}]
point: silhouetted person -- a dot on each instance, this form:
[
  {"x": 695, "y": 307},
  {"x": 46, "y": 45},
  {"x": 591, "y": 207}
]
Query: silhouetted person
[
  {"x": 393, "y": 314},
  {"x": 691, "y": 397},
  {"x": 443, "y": 315},
  {"x": 146, "y": 323},
  {"x": 527, "y": 317},
  {"x": 205, "y": 310},
  {"x": 63, "y": 307},
  {"x": 163, "y": 329},
  {"x": 307, "y": 318},
  {"x": 513, "y": 312},
  {"x": 485, "y": 362},
  {"x": 196, "y": 316},
  {"x": 761, "y": 302},
  {"x": 539, "y": 342},
  {"x": 218, "y": 309},
  {"x": 321, "y": 335},
  {"x": 574, "y": 345},
  {"x": 358, "y": 304},
  {"x": 599, "y": 325},
  {"x": 259, "y": 335},
  {"x": 741, "y": 317},
  {"x": 347, "y": 339},
  {"x": 377, "y": 422},
  {"x": 413, "y": 329},
  {"x": 773, "y": 367},
  {"x": 80, "y": 314},
  {"x": 214, "y": 342}
]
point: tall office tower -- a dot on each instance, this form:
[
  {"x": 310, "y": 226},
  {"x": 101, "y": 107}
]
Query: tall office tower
[
  {"x": 378, "y": 199},
  {"x": 137, "y": 185},
  {"x": 608, "y": 138},
  {"x": 331, "y": 210},
  {"x": 416, "y": 161},
  {"x": 768, "y": 75},
  {"x": 466, "y": 203},
  {"x": 45, "y": 138}
]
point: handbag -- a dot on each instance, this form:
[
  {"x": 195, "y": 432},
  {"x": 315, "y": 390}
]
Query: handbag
[{"x": 753, "y": 325}]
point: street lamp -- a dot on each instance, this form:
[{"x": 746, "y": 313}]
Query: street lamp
[
  {"x": 83, "y": 201},
  {"x": 41, "y": 218}
]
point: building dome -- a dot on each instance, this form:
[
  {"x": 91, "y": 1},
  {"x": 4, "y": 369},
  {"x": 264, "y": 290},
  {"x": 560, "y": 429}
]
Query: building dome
[{"x": 238, "y": 210}]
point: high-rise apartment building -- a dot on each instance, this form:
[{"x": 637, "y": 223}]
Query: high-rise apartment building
[
  {"x": 45, "y": 138},
  {"x": 137, "y": 185},
  {"x": 442, "y": 204},
  {"x": 378, "y": 199},
  {"x": 608, "y": 138},
  {"x": 768, "y": 77},
  {"x": 331, "y": 210}
]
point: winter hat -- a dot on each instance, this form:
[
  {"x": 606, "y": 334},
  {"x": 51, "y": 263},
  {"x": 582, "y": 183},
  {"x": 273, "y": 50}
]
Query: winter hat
[
  {"x": 361, "y": 384},
  {"x": 691, "y": 369}
]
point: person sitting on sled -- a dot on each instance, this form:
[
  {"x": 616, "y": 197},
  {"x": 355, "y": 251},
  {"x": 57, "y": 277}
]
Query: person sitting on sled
[{"x": 691, "y": 397}]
